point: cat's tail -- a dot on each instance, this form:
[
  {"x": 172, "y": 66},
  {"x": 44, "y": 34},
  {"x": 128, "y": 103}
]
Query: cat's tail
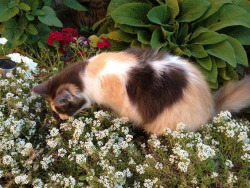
[{"x": 234, "y": 96}]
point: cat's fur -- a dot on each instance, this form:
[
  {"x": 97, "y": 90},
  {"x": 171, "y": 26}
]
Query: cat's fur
[{"x": 155, "y": 90}]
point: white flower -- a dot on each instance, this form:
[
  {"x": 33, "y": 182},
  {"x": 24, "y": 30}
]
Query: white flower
[
  {"x": 229, "y": 163},
  {"x": 204, "y": 151},
  {"x": 16, "y": 57},
  {"x": 194, "y": 181},
  {"x": 54, "y": 132},
  {"x": 22, "y": 179},
  {"x": 214, "y": 175},
  {"x": 3, "y": 41},
  {"x": 231, "y": 178},
  {"x": 7, "y": 159},
  {"x": 30, "y": 63},
  {"x": 62, "y": 152},
  {"x": 81, "y": 158}
]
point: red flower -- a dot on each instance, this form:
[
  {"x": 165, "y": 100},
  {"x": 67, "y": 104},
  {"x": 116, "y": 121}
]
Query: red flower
[
  {"x": 103, "y": 44},
  {"x": 50, "y": 40},
  {"x": 71, "y": 31},
  {"x": 100, "y": 45}
]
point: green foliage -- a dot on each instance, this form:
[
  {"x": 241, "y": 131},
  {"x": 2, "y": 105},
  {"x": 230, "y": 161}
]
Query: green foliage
[
  {"x": 209, "y": 32},
  {"x": 74, "y": 4},
  {"x": 26, "y": 21}
]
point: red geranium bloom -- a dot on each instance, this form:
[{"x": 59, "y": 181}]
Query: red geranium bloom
[
  {"x": 50, "y": 40},
  {"x": 71, "y": 31},
  {"x": 100, "y": 45},
  {"x": 103, "y": 44}
]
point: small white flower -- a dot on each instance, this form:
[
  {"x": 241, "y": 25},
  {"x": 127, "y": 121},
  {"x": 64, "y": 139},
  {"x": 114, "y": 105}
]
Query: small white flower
[
  {"x": 229, "y": 163},
  {"x": 3, "y": 41},
  {"x": 16, "y": 57},
  {"x": 214, "y": 175}
]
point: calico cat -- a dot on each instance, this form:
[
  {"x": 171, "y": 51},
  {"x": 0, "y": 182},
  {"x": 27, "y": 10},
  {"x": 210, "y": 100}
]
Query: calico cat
[{"x": 154, "y": 90}]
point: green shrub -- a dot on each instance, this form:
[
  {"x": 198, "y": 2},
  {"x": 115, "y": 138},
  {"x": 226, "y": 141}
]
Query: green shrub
[
  {"x": 209, "y": 32},
  {"x": 29, "y": 20}
]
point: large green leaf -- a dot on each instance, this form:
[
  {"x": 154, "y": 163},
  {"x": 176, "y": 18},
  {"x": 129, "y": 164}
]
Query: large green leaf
[
  {"x": 157, "y": 40},
  {"x": 205, "y": 62},
  {"x": 159, "y": 15},
  {"x": 9, "y": 14},
  {"x": 192, "y": 10},
  {"x": 114, "y": 4},
  {"x": 50, "y": 17},
  {"x": 243, "y": 4},
  {"x": 242, "y": 34},
  {"x": 197, "y": 50},
  {"x": 34, "y": 4},
  {"x": 133, "y": 14},
  {"x": 74, "y": 5},
  {"x": 209, "y": 38},
  {"x": 121, "y": 36},
  {"x": 223, "y": 50},
  {"x": 240, "y": 53},
  {"x": 215, "y": 6},
  {"x": 174, "y": 8},
  {"x": 24, "y": 6},
  {"x": 130, "y": 29},
  {"x": 228, "y": 15},
  {"x": 198, "y": 31},
  {"x": 135, "y": 44},
  {"x": 220, "y": 63}
]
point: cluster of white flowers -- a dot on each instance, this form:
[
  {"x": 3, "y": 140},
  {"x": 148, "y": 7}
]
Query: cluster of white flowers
[
  {"x": 180, "y": 157},
  {"x": 46, "y": 161},
  {"x": 204, "y": 151},
  {"x": 22, "y": 179},
  {"x": 150, "y": 183},
  {"x": 231, "y": 178},
  {"x": 229, "y": 163}
]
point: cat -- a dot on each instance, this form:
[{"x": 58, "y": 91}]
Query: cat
[{"x": 155, "y": 90}]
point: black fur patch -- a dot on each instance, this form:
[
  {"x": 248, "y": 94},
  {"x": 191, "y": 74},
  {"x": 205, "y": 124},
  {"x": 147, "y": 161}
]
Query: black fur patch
[
  {"x": 150, "y": 92},
  {"x": 71, "y": 107}
]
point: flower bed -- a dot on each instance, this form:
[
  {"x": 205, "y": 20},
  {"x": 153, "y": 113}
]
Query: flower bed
[{"x": 97, "y": 149}]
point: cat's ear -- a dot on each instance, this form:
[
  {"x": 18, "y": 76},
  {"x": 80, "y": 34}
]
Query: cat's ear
[
  {"x": 41, "y": 89},
  {"x": 63, "y": 99}
]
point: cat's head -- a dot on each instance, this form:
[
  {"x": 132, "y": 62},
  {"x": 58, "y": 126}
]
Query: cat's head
[{"x": 65, "y": 91}]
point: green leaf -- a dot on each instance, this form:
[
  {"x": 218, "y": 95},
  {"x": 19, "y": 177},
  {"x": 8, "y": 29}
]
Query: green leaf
[
  {"x": 212, "y": 74},
  {"x": 223, "y": 74},
  {"x": 43, "y": 32},
  {"x": 130, "y": 29},
  {"x": 38, "y": 12},
  {"x": 186, "y": 51},
  {"x": 242, "y": 34},
  {"x": 159, "y": 15},
  {"x": 144, "y": 37},
  {"x": 157, "y": 40},
  {"x": 199, "y": 31},
  {"x": 174, "y": 8},
  {"x": 213, "y": 85},
  {"x": 214, "y": 7},
  {"x": 33, "y": 39},
  {"x": 32, "y": 29},
  {"x": 120, "y": 36},
  {"x": 74, "y": 5},
  {"x": 197, "y": 50},
  {"x": 18, "y": 33},
  {"x": 223, "y": 50},
  {"x": 22, "y": 22},
  {"x": 209, "y": 38},
  {"x": 166, "y": 33},
  {"x": 220, "y": 63},
  {"x": 9, "y": 14},
  {"x": 243, "y": 4},
  {"x": 228, "y": 15},
  {"x": 29, "y": 16},
  {"x": 113, "y": 5},
  {"x": 135, "y": 44},
  {"x": 98, "y": 23},
  {"x": 240, "y": 53},
  {"x": 50, "y": 17},
  {"x": 12, "y": 4},
  {"x": 34, "y": 4},
  {"x": 23, "y": 38},
  {"x": 205, "y": 62},
  {"x": 4, "y": 6},
  {"x": 82, "y": 178},
  {"x": 11, "y": 24},
  {"x": 24, "y": 6},
  {"x": 192, "y": 10},
  {"x": 133, "y": 14}
]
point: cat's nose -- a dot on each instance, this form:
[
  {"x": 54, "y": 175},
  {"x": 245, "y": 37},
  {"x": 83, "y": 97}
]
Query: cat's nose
[{"x": 63, "y": 116}]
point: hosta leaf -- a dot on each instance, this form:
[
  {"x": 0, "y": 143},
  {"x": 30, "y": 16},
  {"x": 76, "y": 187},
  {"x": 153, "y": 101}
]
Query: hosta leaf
[
  {"x": 197, "y": 50},
  {"x": 115, "y": 4},
  {"x": 242, "y": 34},
  {"x": 240, "y": 53},
  {"x": 24, "y": 6},
  {"x": 192, "y": 10},
  {"x": 133, "y": 14},
  {"x": 33, "y": 39},
  {"x": 98, "y": 23},
  {"x": 18, "y": 33},
  {"x": 212, "y": 74},
  {"x": 231, "y": 73},
  {"x": 74, "y": 5},
  {"x": 166, "y": 33},
  {"x": 32, "y": 29},
  {"x": 186, "y": 51},
  {"x": 228, "y": 15},
  {"x": 223, "y": 74},
  {"x": 199, "y": 31},
  {"x": 9, "y": 14},
  {"x": 93, "y": 40},
  {"x": 205, "y": 62},
  {"x": 130, "y": 29},
  {"x": 174, "y": 8},
  {"x": 118, "y": 46},
  {"x": 120, "y": 36},
  {"x": 23, "y": 38},
  {"x": 209, "y": 38},
  {"x": 243, "y": 4},
  {"x": 215, "y": 6},
  {"x": 4, "y": 6},
  {"x": 157, "y": 40},
  {"x": 159, "y": 15},
  {"x": 50, "y": 17},
  {"x": 220, "y": 63},
  {"x": 144, "y": 37},
  {"x": 135, "y": 44},
  {"x": 223, "y": 50},
  {"x": 213, "y": 85}
]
